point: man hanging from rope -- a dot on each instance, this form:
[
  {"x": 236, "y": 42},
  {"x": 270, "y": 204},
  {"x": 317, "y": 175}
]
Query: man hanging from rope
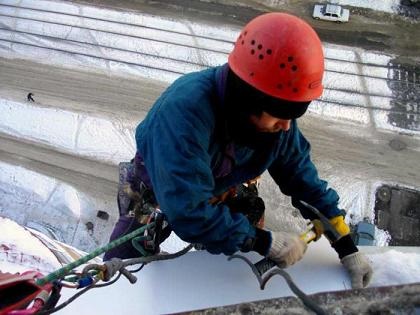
[{"x": 213, "y": 130}]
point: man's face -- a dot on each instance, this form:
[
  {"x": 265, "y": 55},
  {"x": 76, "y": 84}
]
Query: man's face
[{"x": 267, "y": 123}]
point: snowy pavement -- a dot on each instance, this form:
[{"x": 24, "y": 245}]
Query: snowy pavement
[{"x": 359, "y": 85}]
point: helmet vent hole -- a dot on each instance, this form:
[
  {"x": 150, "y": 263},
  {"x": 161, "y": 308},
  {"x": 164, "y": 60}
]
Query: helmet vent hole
[
  {"x": 252, "y": 51},
  {"x": 279, "y": 86},
  {"x": 243, "y": 42},
  {"x": 269, "y": 51},
  {"x": 294, "y": 68},
  {"x": 246, "y": 32},
  {"x": 252, "y": 42},
  {"x": 251, "y": 74},
  {"x": 282, "y": 65},
  {"x": 295, "y": 90},
  {"x": 261, "y": 57},
  {"x": 259, "y": 46},
  {"x": 290, "y": 59}
]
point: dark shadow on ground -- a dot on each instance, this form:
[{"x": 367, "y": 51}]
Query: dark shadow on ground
[{"x": 397, "y": 210}]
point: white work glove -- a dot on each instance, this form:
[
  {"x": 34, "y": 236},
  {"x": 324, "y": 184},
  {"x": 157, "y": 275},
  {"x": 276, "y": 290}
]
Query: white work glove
[
  {"x": 286, "y": 249},
  {"x": 359, "y": 269}
]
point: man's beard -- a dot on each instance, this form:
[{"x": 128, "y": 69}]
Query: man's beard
[
  {"x": 241, "y": 101},
  {"x": 243, "y": 132}
]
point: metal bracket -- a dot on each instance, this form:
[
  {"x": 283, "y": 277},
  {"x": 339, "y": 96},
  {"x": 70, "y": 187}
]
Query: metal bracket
[
  {"x": 259, "y": 269},
  {"x": 265, "y": 269}
]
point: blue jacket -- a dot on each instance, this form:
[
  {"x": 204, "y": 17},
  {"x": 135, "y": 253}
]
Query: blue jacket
[{"x": 182, "y": 155}]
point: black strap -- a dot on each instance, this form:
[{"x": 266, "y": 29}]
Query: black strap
[{"x": 344, "y": 246}]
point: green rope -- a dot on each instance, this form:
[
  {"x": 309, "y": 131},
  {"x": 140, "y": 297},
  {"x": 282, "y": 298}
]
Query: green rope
[
  {"x": 66, "y": 269},
  {"x": 137, "y": 245}
]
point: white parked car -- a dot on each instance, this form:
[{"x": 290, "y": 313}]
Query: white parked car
[{"x": 331, "y": 12}]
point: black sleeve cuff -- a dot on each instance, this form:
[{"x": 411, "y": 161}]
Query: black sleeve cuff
[
  {"x": 344, "y": 246},
  {"x": 262, "y": 242}
]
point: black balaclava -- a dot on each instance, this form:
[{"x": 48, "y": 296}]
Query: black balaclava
[{"x": 242, "y": 100}]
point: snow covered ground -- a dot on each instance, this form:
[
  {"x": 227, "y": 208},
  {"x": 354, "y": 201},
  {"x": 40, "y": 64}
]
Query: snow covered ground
[
  {"x": 20, "y": 251},
  {"x": 354, "y": 77},
  {"x": 357, "y": 92},
  {"x": 390, "y": 6}
]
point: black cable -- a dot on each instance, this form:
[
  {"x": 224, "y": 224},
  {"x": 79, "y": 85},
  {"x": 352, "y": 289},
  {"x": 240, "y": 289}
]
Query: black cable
[
  {"x": 138, "y": 269},
  {"x": 78, "y": 294},
  {"x": 189, "y": 46},
  {"x": 54, "y": 297},
  {"x": 370, "y": 64},
  {"x": 306, "y": 300},
  {"x": 263, "y": 276},
  {"x": 111, "y": 21},
  {"x": 115, "y": 33},
  {"x": 128, "y": 262},
  {"x": 108, "y": 283}
]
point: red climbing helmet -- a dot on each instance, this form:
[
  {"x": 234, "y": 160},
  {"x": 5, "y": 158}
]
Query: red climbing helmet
[{"x": 280, "y": 55}]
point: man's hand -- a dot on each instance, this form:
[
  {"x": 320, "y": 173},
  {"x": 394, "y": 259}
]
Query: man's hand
[
  {"x": 286, "y": 249},
  {"x": 359, "y": 269}
]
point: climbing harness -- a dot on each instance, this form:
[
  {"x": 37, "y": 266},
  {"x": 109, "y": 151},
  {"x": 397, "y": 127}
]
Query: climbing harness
[{"x": 244, "y": 199}]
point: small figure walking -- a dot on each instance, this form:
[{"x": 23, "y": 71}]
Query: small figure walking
[{"x": 30, "y": 98}]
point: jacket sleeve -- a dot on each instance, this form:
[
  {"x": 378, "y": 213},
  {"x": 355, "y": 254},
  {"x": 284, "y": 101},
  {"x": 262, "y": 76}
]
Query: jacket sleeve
[
  {"x": 174, "y": 143},
  {"x": 297, "y": 176}
]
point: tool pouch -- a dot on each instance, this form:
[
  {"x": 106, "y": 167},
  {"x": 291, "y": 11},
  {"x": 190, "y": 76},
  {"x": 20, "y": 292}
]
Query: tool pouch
[
  {"x": 247, "y": 202},
  {"x": 137, "y": 206}
]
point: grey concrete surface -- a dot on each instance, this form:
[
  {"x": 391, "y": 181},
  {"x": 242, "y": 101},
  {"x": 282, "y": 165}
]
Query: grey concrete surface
[
  {"x": 397, "y": 210},
  {"x": 382, "y": 300}
]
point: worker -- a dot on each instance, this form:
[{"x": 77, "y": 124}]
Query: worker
[{"x": 215, "y": 129}]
